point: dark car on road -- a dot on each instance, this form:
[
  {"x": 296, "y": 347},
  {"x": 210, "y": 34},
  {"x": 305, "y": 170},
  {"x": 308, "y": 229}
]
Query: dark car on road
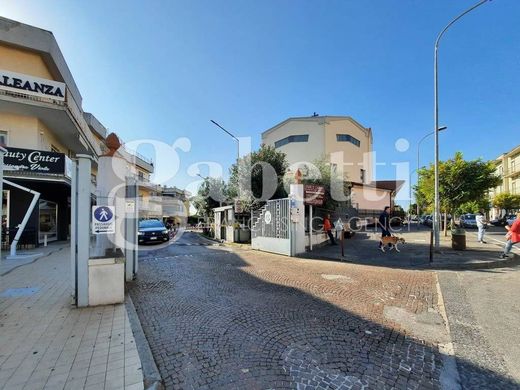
[
  {"x": 468, "y": 221},
  {"x": 152, "y": 230}
]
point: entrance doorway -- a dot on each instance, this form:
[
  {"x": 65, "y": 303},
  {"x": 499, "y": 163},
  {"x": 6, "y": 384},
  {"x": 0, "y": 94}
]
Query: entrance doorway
[{"x": 48, "y": 225}]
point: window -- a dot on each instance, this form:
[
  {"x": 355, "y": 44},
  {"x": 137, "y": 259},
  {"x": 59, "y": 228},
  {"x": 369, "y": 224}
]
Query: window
[
  {"x": 290, "y": 139},
  {"x": 512, "y": 166},
  {"x": 4, "y": 137},
  {"x": 362, "y": 175},
  {"x": 140, "y": 175},
  {"x": 347, "y": 138}
]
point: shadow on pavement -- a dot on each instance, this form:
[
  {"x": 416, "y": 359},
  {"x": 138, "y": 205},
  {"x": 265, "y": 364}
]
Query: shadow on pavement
[
  {"x": 415, "y": 253},
  {"x": 211, "y": 324}
]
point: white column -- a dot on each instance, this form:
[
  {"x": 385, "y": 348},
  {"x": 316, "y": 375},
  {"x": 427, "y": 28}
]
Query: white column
[
  {"x": 82, "y": 211},
  {"x": 110, "y": 191},
  {"x": 298, "y": 227},
  {"x": 2, "y": 151}
]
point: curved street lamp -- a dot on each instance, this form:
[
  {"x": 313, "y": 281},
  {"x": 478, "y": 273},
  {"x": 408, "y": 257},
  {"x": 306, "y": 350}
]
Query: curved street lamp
[
  {"x": 419, "y": 163},
  {"x": 436, "y": 215}
]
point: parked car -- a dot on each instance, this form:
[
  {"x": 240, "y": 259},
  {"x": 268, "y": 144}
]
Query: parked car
[
  {"x": 427, "y": 220},
  {"x": 468, "y": 221},
  {"x": 152, "y": 230},
  {"x": 501, "y": 221}
]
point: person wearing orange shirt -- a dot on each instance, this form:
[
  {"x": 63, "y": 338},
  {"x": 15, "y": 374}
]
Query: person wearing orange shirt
[
  {"x": 327, "y": 227},
  {"x": 513, "y": 236}
]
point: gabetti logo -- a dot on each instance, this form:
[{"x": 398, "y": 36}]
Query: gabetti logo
[{"x": 30, "y": 85}]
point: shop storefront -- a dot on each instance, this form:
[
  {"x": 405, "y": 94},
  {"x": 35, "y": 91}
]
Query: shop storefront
[{"x": 47, "y": 173}]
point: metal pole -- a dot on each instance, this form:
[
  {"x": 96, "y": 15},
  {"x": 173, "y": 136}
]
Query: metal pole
[
  {"x": 436, "y": 215},
  {"x": 310, "y": 227},
  {"x": 21, "y": 227}
]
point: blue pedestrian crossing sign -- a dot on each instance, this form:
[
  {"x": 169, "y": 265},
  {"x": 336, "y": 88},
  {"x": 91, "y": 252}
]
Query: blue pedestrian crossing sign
[{"x": 103, "y": 220}]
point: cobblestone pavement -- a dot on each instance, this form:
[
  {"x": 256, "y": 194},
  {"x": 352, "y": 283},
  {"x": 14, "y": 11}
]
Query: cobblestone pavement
[
  {"x": 484, "y": 312},
  {"x": 229, "y": 318}
]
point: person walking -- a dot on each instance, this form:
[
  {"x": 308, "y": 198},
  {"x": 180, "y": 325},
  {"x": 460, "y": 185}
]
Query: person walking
[
  {"x": 512, "y": 236},
  {"x": 481, "y": 225},
  {"x": 327, "y": 227},
  {"x": 384, "y": 224}
]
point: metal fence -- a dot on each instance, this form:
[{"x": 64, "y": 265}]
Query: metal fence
[{"x": 272, "y": 220}]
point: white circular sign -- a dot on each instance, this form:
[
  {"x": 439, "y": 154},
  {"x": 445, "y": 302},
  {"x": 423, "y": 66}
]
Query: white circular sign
[{"x": 267, "y": 217}]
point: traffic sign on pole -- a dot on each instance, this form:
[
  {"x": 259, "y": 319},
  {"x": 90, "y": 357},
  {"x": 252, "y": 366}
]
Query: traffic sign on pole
[{"x": 103, "y": 220}]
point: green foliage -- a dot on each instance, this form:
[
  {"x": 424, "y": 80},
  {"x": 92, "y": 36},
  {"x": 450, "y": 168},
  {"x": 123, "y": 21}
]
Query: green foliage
[
  {"x": 258, "y": 177},
  {"x": 337, "y": 188},
  {"x": 507, "y": 201},
  {"x": 473, "y": 207},
  {"x": 212, "y": 193},
  {"x": 412, "y": 209},
  {"x": 460, "y": 182}
]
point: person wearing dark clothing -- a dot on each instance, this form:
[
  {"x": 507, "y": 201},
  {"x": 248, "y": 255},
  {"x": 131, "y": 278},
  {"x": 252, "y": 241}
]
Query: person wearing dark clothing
[
  {"x": 384, "y": 224},
  {"x": 327, "y": 227}
]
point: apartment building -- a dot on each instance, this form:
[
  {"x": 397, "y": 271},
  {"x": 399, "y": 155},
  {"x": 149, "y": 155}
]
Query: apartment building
[
  {"x": 43, "y": 126},
  {"x": 340, "y": 140},
  {"x": 508, "y": 168}
]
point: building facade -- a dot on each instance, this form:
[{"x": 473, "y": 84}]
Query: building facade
[
  {"x": 340, "y": 141},
  {"x": 508, "y": 169},
  {"x": 43, "y": 127}
]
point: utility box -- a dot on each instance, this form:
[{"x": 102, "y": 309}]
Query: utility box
[
  {"x": 106, "y": 280},
  {"x": 458, "y": 239}
]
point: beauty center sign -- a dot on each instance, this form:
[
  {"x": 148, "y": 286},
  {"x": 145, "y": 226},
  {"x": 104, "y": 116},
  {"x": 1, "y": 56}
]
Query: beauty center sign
[
  {"x": 36, "y": 161},
  {"x": 30, "y": 85}
]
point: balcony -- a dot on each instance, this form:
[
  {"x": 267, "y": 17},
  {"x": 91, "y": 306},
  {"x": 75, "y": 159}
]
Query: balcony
[
  {"x": 63, "y": 118},
  {"x": 512, "y": 172}
]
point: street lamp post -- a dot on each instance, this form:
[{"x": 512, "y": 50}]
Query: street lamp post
[
  {"x": 232, "y": 136},
  {"x": 419, "y": 159},
  {"x": 436, "y": 216}
]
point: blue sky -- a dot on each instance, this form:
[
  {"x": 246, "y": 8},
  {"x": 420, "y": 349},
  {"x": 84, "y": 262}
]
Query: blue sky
[{"x": 163, "y": 69}]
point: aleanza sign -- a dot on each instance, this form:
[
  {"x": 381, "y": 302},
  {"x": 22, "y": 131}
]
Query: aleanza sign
[
  {"x": 37, "y": 161},
  {"x": 30, "y": 85}
]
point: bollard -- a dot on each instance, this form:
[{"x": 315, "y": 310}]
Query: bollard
[
  {"x": 431, "y": 246},
  {"x": 45, "y": 240}
]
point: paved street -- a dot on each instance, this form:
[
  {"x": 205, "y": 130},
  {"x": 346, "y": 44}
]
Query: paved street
[
  {"x": 484, "y": 313},
  {"x": 217, "y": 317}
]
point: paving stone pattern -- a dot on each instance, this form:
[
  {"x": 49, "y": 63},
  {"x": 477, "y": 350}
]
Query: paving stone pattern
[
  {"x": 46, "y": 343},
  {"x": 241, "y": 319}
]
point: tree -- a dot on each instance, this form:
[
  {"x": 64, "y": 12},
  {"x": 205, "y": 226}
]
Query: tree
[
  {"x": 412, "y": 209},
  {"x": 322, "y": 172},
  {"x": 212, "y": 193},
  {"x": 506, "y": 201},
  {"x": 460, "y": 181},
  {"x": 473, "y": 206},
  {"x": 258, "y": 177}
]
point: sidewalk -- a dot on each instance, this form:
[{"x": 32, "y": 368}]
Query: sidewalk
[
  {"x": 363, "y": 249},
  {"x": 46, "y": 343}
]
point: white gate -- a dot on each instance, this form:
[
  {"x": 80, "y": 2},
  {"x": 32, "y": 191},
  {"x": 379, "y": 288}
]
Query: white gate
[{"x": 271, "y": 228}]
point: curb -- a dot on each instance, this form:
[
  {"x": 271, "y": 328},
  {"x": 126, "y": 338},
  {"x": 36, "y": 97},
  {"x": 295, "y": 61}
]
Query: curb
[
  {"x": 450, "y": 378},
  {"x": 151, "y": 377},
  {"x": 510, "y": 262}
]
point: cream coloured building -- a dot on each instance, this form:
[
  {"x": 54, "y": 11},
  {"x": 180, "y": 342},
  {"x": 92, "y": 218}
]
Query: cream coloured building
[
  {"x": 43, "y": 126},
  {"x": 508, "y": 168},
  {"x": 341, "y": 141}
]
